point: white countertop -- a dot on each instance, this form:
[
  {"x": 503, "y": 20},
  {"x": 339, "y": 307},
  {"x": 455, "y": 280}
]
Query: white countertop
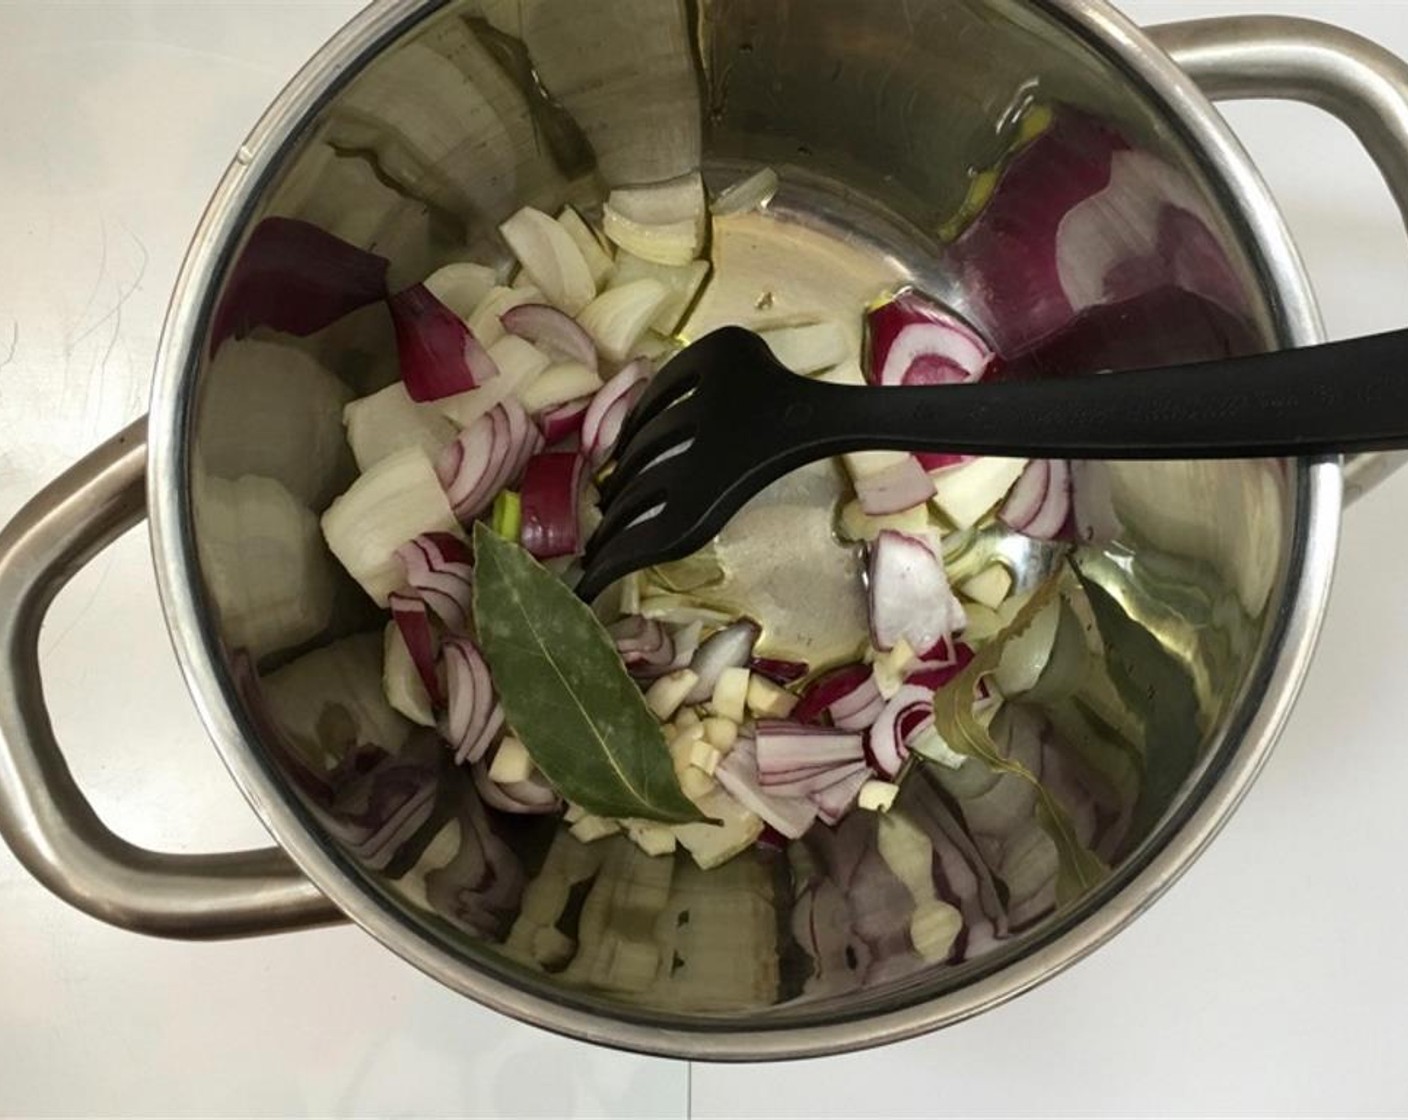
[{"x": 1271, "y": 979}]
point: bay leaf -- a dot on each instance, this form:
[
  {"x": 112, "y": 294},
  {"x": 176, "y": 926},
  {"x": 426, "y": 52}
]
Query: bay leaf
[
  {"x": 565, "y": 692},
  {"x": 1079, "y": 869}
]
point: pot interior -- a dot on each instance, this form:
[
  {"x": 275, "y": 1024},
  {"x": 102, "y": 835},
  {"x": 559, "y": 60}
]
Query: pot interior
[{"x": 921, "y": 142}]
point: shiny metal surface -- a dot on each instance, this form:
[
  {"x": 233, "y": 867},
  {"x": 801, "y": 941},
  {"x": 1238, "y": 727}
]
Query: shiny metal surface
[
  {"x": 44, "y": 817},
  {"x": 1270, "y": 561},
  {"x": 1346, "y": 75}
]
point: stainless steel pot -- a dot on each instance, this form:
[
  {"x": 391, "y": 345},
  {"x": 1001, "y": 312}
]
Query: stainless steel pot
[{"x": 414, "y": 132}]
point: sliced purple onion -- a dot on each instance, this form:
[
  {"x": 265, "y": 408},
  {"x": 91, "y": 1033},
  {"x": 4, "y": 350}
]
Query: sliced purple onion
[
  {"x": 828, "y": 688},
  {"x": 837, "y": 799},
  {"x": 528, "y": 798},
  {"x": 645, "y": 645},
  {"x": 475, "y": 716},
  {"x": 895, "y": 489},
  {"x": 413, "y": 621},
  {"x": 914, "y": 341},
  {"x": 909, "y": 712},
  {"x": 738, "y": 774},
  {"x": 1039, "y": 505},
  {"x": 563, "y": 421},
  {"x": 550, "y": 329},
  {"x": 779, "y": 672},
  {"x": 438, "y": 569},
  {"x": 729, "y": 648},
  {"x": 552, "y": 504},
  {"x": 601, "y": 426},
  {"x": 909, "y": 593},
  {"x": 933, "y": 675},
  {"x": 439, "y": 355},
  {"x": 857, "y": 709},
  {"x": 488, "y": 456},
  {"x": 786, "y": 751},
  {"x": 296, "y": 278}
]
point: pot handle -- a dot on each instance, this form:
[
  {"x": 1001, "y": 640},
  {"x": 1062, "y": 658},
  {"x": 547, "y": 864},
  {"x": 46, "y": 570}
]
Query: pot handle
[
  {"x": 1242, "y": 58},
  {"x": 44, "y": 817}
]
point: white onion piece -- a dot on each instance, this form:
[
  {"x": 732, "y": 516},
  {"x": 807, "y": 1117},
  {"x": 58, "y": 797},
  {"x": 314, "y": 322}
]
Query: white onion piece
[
  {"x": 598, "y": 260},
  {"x": 681, "y": 281},
  {"x": 264, "y": 563},
  {"x": 665, "y": 223},
  {"x": 1025, "y": 656},
  {"x": 730, "y": 648},
  {"x": 389, "y": 421},
  {"x": 396, "y": 500},
  {"x": 548, "y": 328},
  {"x": 965, "y": 493},
  {"x": 809, "y": 349},
  {"x": 465, "y": 408},
  {"x": 438, "y": 569},
  {"x": 601, "y": 427},
  {"x": 401, "y": 681},
  {"x": 619, "y": 317},
  {"x": 566, "y": 381},
  {"x": 550, "y": 258},
  {"x": 488, "y": 455},
  {"x": 738, "y": 774},
  {"x": 518, "y": 359},
  {"x": 486, "y": 321},
  {"x": 752, "y": 193},
  {"x": 1040, "y": 502},
  {"x": 686, "y": 640},
  {"x": 888, "y": 482},
  {"x": 474, "y": 716},
  {"x": 462, "y": 286},
  {"x": 909, "y": 594},
  {"x": 1092, "y": 503}
]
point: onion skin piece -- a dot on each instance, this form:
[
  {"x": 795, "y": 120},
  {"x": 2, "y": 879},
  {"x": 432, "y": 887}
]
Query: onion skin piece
[
  {"x": 439, "y": 355},
  {"x": 551, "y": 496},
  {"x": 296, "y": 278}
]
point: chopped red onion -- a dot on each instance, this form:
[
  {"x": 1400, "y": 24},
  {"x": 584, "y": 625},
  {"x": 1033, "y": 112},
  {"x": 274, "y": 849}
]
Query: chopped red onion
[
  {"x": 409, "y": 614},
  {"x": 857, "y": 709},
  {"x": 1039, "y": 505},
  {"x": 488, "y": 455},
  {"x": 296, "y": 278},
  {"x": 439, "y": 355},
  {"x": 914, "y": 341},
  {"x": 786, "y": 749},
  {"x": 828, "y": 688},
  {"x": 564, "y": 420},
  {"x": 779, "y": 672},
  {"x": 438, "y": 569},
  {"x": 934, "y": 675},
  {"x": 645, "y": 645},
  {"x": 895, "y": 489},
  {"x": 909, "y": 593},
  {"x": 548, "y": 328},
  {"x": 738, "y": 774},
  {"x": 835, "y": 801},
  {"x": 552, "y": 504},
  {"x": 729, "y": 648},
  {"x": 601, "y": 426},
  {"x": 527, "y": 798},
  {"x": 475, "y": 716},
  {"x": 907, "y": 713}
]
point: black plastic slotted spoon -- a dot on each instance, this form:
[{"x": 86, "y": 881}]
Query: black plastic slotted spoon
[{"x": 725, "y": 418}]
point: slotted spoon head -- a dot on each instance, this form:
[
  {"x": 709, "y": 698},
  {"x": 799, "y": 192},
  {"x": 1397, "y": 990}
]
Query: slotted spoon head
[{"x": 694, "y": 449}]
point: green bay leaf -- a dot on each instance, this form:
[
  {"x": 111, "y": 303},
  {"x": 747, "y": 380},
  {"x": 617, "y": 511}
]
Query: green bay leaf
[
  {"x": 1078, "y": 868},
  {"x": 565, "y": 693}
]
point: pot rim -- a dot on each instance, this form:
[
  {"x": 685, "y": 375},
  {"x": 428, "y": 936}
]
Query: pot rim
[{"x": 1164, "y": 856}]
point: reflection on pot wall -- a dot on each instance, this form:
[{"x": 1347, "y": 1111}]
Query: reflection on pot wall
[{"x": 1065, "y": 220}]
